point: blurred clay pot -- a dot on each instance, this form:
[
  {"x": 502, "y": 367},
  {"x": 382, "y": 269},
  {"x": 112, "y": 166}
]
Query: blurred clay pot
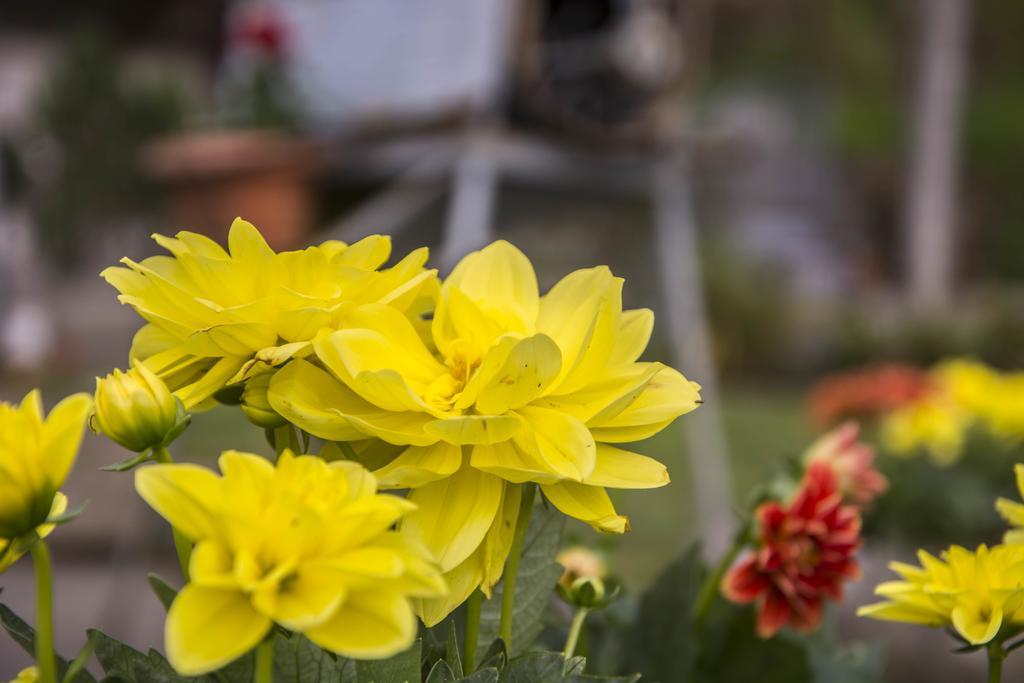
[{"x": 210, "y": 177}]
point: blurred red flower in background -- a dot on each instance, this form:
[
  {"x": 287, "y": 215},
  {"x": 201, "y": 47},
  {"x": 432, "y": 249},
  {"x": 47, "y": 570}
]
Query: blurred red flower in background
[
  {"x": 806, "y": 552},
  {"x": 852, "y": 462},
  {"x": 261, "y": 29},
  {"x": 866, "y": 392}
]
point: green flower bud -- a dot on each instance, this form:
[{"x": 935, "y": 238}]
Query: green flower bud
[
  {"x": 256, "y": 406},
  {"x": 137, "y": 410}
]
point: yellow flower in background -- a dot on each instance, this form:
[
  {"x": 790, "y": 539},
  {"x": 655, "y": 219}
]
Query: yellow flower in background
[
  {"x": 137, "y": 410},
  {"x": 36, "y": 455},
  {"x": 511, "y": 388},
  {"x": 307, "y": 545},
  {"x": 933, "y": 423},
  {"x": 1013, "y": 512},
  {"x": 974, "y": 592},
  {"x": 213, "y": 313},
  {"x": 29, "y": 675}
]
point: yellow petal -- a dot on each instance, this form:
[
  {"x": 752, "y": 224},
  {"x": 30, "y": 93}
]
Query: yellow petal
[
  {"x": 247, "y": 244},
  {"x": 309, "y": 597},
  {"x": 558, "y": 440},
  {"x": 511, "y": 463},
  {"x": 498, "y": 542},
  {"x": 62, "y": 435},
  {"x": 210, "y": 627},
  {"x": 210, "y": 382},
  {"x": 419, "y": 465},
  {"x": 634, "y": 333},
  {"x": 211, "y": 565},
  {"x": 474, "y": 429},
  {"x": 619, "y": 469},
  {"x": 369, "y": 253},
  {"x": 501, "y": 276},
  {"x": 581, "y": 314},
  {"x": 453, "y": 515},
  {"x": 185, "y": 495},
  {"x": 461, "y": 581},
  {"x": 532, "y": 364},
  {"x": 665, "y": 398},
  {"x": 589, "y": 504},
  {"x": 607, "y": 396},
  {"x": 976, "y": 627},
  {"x": 368, "y": 625},
  {"x": 891, "y": 611}
]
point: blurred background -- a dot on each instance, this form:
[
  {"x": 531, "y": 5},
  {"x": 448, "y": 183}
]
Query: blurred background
[{"x": 796, "y": 187}]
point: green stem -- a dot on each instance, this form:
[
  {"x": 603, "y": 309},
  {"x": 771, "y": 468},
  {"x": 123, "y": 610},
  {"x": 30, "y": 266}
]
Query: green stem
[
  {"x": 711, "y": 585},
  {"x": 182, "y": 545},
  {"x": 574, "y": 632},
  {"x": 472, "y": 630},
  {"x": 265, "y": 662},
  {"x": 996, "y": 655},
  {"x": 508, "y": 594},
  {"x": 44, "y": 613}
]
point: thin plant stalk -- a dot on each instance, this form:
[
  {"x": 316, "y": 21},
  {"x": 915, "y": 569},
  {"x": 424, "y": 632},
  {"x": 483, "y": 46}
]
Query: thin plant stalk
[
  {"x": 574, "y": 632},
  {"x": 508, "y": 594},
  {"x": 996, "y": 655},
  {"x": 182, "y": 545},
  {"x": 265, "y": 662},
  {"x": 45, "y": 660},
  {"x": 473, "y": 605},
  {"x": 711, "y": 585}
]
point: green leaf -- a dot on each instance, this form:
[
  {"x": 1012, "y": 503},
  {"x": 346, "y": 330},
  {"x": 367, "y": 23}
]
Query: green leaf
[
  {"x": 441, "y": 672},
  {"x": 833, "y": 661},
  {"x": 534, "y": 667},
  {"x": 402, "y": 668},
  {"x": 128, "y": 463},
  {"x": 128, "y": 664},
  {"x": 83, "y": 657},
  {"x": 731, "y": 651},
  {"x": 68, "y": 515},
  {"x": 587, "y": 678},
  {"x": 496, "y": 655},
  {"x": 164, "y": 593},
  {"x": 451, "y": 654},
  {"x": 663, "y": 646},
  {"x": 538, "y": 575},
  {"x": 488, "y": 675},
  {"x": 297, "y": 660},
  {"x": 25, "y": 636}
]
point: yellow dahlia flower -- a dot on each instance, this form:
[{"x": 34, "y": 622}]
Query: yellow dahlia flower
[
  {"x": 511, "y": 388},
  {"x": 306, "y": 544},
  {"x": 29, "y": 675},
  {"x": 36, "y": 455},
  {"x": 1013, "y": 512},
  {"x": 933, "y": 423},
  {"x": 974, "y": 592},
  {"x": 213, "y": 313}
]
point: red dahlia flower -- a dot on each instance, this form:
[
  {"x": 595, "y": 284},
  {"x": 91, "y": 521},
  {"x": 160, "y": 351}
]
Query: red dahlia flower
[
  {"x": 866, "y": 392},
  {"x": 806, "y": 552},
  {"x": 852, "y": 461}
]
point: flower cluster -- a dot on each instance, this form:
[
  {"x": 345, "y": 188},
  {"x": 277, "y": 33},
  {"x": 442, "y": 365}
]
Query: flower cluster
[
  {"x": 866, "y": 393},
  {"x": 805, "y": 553},
  {"x": 307, "y": 545},
  {"x": 468, "y": 393}
]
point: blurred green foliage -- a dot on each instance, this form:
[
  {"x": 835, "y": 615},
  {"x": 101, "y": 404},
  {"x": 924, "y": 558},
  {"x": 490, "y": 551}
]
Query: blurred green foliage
[{"x": 92, "y": 121}]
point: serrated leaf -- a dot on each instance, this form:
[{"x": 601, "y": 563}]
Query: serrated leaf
[
  {"x": 488, "y": 675},
  {"x": 25, "y": 636},
  {"x": 298, "y": 660},
  {"x": 441, "y": 672},
  {"x": 128, "y": 463},
  {"x": 164, "y": 592},
  {"x": 535, "y": 584},
  {"x": 402, "y": 668},
  {"x": 128, "y": 664},
  {"x": 534, "y": 667},
  {"x": 731, "y": 651},
  {"x": 496, "y": 655}
]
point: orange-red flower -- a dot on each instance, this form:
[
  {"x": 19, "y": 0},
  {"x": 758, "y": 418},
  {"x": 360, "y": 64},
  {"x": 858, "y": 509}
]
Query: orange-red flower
[
  {"x": 852, "y": 461},
  {"x": 806, "y": 552},
  {"x": 866, "y": 392}
]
